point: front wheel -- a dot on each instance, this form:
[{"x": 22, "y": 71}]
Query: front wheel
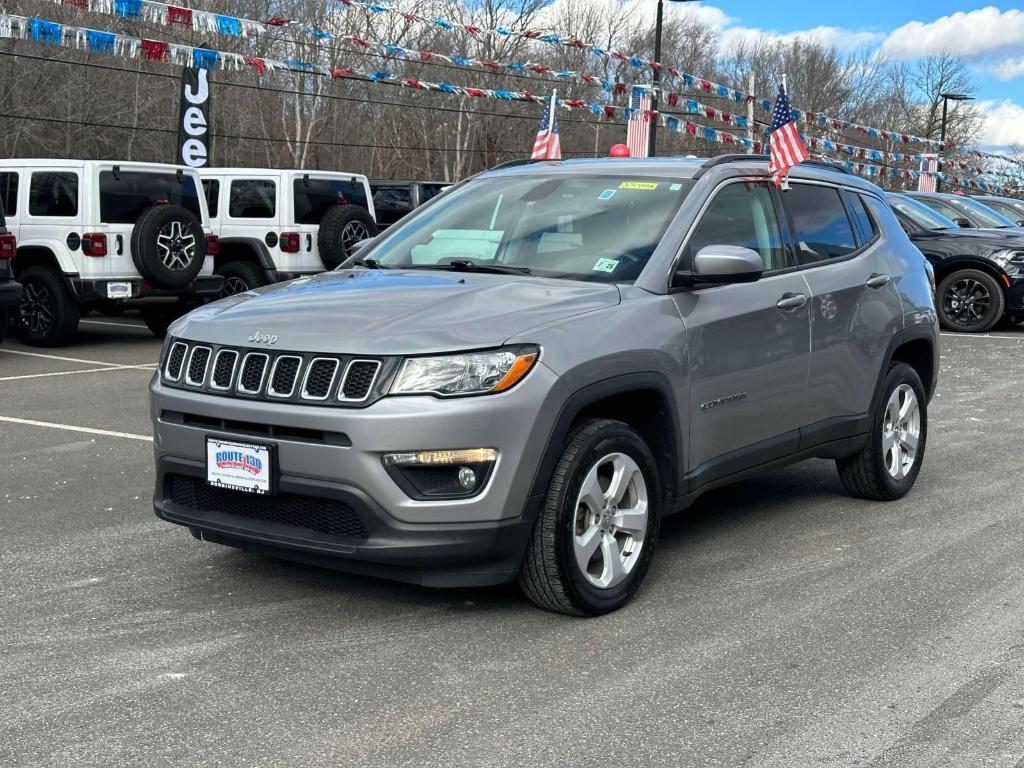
[
  {"x": 593, "y": 541},
  {"x": 970, "y": 301},
  {"x": 886, "y": 468}
]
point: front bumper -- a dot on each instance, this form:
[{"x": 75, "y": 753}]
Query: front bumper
[
  {"x": 202, "y": 287},
  {"x": 1015, "y": 297},
  {"x": 10, "y": 293},
  {"x": 375, "y": 528}
]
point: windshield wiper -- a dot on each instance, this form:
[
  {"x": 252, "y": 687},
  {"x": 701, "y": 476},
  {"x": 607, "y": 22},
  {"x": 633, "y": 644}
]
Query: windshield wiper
[
  {"x": 458, "y": 265},
  {"x": 369, "y": 263}
]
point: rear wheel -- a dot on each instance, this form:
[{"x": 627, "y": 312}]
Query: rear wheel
[
  {"x": 886, "y": 468},
  {"x": 970, "y": 301},
  {"x": 4, "y": 322},
  {"x": 49, "y": 313},
  {"x": 158, "y": 317},
  {"x": 342, "y": 227},
  {"x": 239, "y": 277},
  {"x": 594, "y": 539}
]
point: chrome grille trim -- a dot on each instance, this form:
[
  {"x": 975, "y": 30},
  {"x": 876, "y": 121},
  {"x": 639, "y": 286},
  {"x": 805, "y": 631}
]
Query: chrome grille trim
[
  {"x": 344, "y": 380},
  {"x": 263, "y": 374},
  {"x": 305, "y": 379},
  {"x": 170, "y": 356},
  {"x": 206, "y": 366},
  {"x": 271, "y": 392},
  {"x": 231, "y": 376}
]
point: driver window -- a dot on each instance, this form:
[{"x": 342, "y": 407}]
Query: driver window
[{"x": 741, "y": 214}]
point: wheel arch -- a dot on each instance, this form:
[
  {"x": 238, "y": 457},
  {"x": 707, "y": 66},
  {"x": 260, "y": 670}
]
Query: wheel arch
[
  {"x": 945, "y": 267},
  {"x": 244, "y": 249},
  {"x": 40, "y": 254},
  {"x": 916, "y": 346}
]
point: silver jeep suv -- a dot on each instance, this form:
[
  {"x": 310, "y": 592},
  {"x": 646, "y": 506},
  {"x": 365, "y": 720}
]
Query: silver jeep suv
[{"x": 524, "y": 376}]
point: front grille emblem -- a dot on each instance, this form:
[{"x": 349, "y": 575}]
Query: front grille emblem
[{"x": 263, "y": 338}]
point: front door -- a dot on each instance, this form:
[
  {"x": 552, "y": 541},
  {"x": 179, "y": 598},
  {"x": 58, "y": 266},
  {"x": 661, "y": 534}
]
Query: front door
[{"x": 748, "y": 345}]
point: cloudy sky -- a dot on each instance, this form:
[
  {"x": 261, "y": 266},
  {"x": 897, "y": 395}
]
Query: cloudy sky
[{"x": 990, "y": 37}]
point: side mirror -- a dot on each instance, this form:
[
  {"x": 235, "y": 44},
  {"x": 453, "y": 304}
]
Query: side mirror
[
  {"x": 1020, "y": 222},
  {"x": 963, "y": 223},
  {"x": 722, "y": 265}
]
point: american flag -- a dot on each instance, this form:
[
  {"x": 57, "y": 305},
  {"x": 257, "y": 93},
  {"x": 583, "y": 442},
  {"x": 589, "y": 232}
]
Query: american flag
[
  {"x": 786, "y": 147},
  {"x": 638, "y": 134},
  {"x": 547, "y": 146}
]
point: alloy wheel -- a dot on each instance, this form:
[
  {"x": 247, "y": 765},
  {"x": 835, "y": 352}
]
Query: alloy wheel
[
  {"x": 176, "y": 246},
  {"x": 353, "y": 232},
  {"x": 233, "y": 285},
  {"x": 37, "y": 310},
  {"x": 966, "y": 302},
  {"x": 610, "y": 522},
  {"x": 901, "y": 431}
]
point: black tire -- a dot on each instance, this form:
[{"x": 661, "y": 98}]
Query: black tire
[
  {"x": 158, "y": 317},
  {"x": 171, "y": 233},
  {"x": 970, "y": 301},
  {"x": 550, "y": 576},
  {"x": 110, "y": 308},
  {"x": 341, "y": 227},
  {"x": 865, "y": 474},
  {"x": 49, "y": 312},
  {"x": 240, "y": 276},
  {"x": 5, "y": 320}
]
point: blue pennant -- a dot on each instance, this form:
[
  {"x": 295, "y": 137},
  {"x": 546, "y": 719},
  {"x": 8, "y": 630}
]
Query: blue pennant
[
  {"x": 462, "y": 61},
  {"x": 688, "y": 81},
  {"x": 504, "y": 95},
  {"x": 672, "y": 123},
  {"x": 723, "y": 91},
  {"x": 442, "y": 24},
  {"x": 516, "y": 66},
  {"x": 376, "y": 8},
  {"x": 45, "y": 32},
  {"x": 692, "y": 107},
  {"x": 379, "y": 75},
  {"x": 447, "y": 88},
  {"x": 394, "y": 50},
  {"x": 565, "y": 73},
  {"x": 766, "y": 105},
  {"x": 129, "y": 9},
  {"x": 709, "y": 134},
  {"x": 597, "y": 51},
  {"x": 740, "y": 120},
  {"x": 229, "y": 25},
  {"x": 595, "y": 108},
  {"x": 299, "y": 64},
  {"x": 551, "y": 39},
  {"x": 321, "y": 34},
  {"x": 636, "y": 62},
  {"x": 502, "y": 31},
  {"x": 100, "y": 42},
  {"x": 203, "y": 58}
]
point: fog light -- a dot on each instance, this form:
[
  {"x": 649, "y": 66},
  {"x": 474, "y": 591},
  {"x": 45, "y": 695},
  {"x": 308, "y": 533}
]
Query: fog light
[{"x": 467, "y": 478}]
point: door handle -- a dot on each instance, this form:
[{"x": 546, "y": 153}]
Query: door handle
[
  {"x": 877, "y": 281},
  {"x": 791, "y": 301}
]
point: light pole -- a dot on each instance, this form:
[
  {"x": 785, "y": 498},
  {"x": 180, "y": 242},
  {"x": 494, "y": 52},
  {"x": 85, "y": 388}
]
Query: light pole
[
  {"x": 946, "y": 98},
  {"x": 652, "y": 139}
]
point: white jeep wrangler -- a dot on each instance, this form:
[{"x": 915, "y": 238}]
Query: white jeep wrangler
[
  {"x": 97, "y": 233},
  {"x": 275, "y": 225}
]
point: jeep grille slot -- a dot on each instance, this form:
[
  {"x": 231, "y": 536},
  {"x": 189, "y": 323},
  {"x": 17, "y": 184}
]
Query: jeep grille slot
[
  {"x": 223, "y": 369},
  {"x": 319, "y": 378},
  {"x": 284, "y": 375},
  {"x": 197, "y": 364},
  {"x": 175, "y": 360},
  {"x": 254, "y": 367},
  {"x": 359, "y": 377}
]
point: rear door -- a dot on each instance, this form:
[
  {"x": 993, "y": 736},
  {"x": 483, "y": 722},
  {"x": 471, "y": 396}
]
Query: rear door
[
  {"x": 250, "y": 207},
  {"x": 391, "y": 202},
  {"x": 748, "y": 345},
  {"x": 855, "y": 307}
]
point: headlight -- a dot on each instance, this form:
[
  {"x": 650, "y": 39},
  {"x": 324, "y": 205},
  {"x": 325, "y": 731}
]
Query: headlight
[
  {"x": 1003, "y": 258},
  {"x": 472, "y": 373}
]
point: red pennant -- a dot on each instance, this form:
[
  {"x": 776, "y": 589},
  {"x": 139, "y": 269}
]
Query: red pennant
[
  {"x": 181, "y": 16},
  {"x": 529, "y": 96},
  {"x": 471, "y": 29},
  {"x": 649, "y": 115},
  {"x": 705, "y": 85},
  {"x": 609, "y": 110},
  {"x": 412, "y": 82},
  {"x": 540, "y": 69},
  {"x": 575, "y": 103},
  {"x": 256, "y": 63},
  {"x": 726, "y": 118},
  {"x": 727, "y": 138},
  {"x": 904, "y": 138},
  {"x": 531, "y": 34},
  {"x": 476, "y": 92},
  {"x": 618, "y": 56},
  {"x": 426, "y": 56},
  {"x": 277, "y": 21},
  {"x": 406, "y": 16},
  {"x": 577, "y": 43},
  {"x": 620, "y": 88},
  {"x": 491, "y": 64},
  {"x": 154, "y": 50},
  {"x": 360, "y": 42},
  {"x": 673, "y": 99},
  {"x": 691, "y": 129},
  {"x": 655, "y": 65},
  {"x": 339, "y": 72},
  {"x": 76, "y": 3},
  {"x": 709, "y": 112}
]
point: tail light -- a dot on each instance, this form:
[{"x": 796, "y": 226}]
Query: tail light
[
  {"x": 212, "y": 245},
  {"x": 94, "y": 244},
  {"x": 290, "y": 242},
  {"x": 8, "y": 246}
]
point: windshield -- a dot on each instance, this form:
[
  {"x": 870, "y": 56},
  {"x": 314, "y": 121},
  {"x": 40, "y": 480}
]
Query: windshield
[
  {"x": 1013, "y": 211},
  {"x": 965, "y": 208},
  {"x": 919, "y": 213},
  {"x": 595, "y": 228}
]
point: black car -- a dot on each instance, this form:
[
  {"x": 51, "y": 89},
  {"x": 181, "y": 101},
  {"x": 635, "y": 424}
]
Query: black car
[
  {"x": 966, "y": 212},
  {"x": 980, "y": 272},
  {"x": 10, "y": 291},
  {"x": 1011, "y": 208},
  {"x": 394, "y": 199}
]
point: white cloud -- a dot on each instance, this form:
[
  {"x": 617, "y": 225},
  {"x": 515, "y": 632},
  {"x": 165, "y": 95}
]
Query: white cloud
[
  {"x": 971, "y": 34},
  {"x": 1008, "y": 69},
  {"x": 1004, "y": 123},
  {"x": 843, "y": 39}
]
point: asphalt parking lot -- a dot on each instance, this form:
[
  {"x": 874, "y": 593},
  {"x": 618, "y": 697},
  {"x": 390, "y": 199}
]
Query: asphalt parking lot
[{"x": 783, "y": 623}]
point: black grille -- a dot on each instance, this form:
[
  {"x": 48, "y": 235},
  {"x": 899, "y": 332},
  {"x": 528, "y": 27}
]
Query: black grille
[
  {"x": 223, "y": 368},
  {"x": 197, "y": 365},
  {"x": 309, "y": 513},
  {"x": 175, "y": 359},
  {"x": 252, "y": 372},
  {"x": 359, "y": 379},
  {"x": 286, "y": 370},
  {"x": 319, "y": 378}
]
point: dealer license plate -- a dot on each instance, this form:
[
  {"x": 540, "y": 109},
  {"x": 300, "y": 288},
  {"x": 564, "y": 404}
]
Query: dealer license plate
[
  {"x": 239, "y": 466},
  {"x": 119, "y": 290}
]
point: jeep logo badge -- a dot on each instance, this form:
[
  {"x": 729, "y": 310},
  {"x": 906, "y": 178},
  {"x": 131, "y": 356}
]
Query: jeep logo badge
[{"x": 263, "y": 338}]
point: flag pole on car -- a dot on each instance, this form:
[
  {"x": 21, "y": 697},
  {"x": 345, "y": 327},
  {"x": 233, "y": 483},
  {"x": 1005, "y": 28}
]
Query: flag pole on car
[
  {"x": 547, "y": 145},
  {"x": 786, "y": 148}
]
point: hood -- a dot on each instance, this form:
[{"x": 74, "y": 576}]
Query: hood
[
  {"x": 977, "y": 241},
  {"x": 393, "y": 312}
]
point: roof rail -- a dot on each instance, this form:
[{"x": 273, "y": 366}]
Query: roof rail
[
  {"x": 513, "y": 163},
  {"x": 737, "y": 158}
]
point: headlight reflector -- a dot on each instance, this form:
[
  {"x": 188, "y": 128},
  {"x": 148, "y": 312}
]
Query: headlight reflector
[
  {"x": 1004, "y": 257},
  {"x": 472, "y": 373}
]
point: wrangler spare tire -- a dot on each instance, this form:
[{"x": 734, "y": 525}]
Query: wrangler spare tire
[
  {"x": 342, "y": 227},
  {"x": 168, "y": 246}
]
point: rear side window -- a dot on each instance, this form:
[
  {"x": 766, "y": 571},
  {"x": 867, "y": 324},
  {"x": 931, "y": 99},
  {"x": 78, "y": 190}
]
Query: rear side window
[
  {"x": 125, "y": 196},
  {"x": 820, "y": 224},
  {"x": 866, "y": 227},
  {"x": 211, "y": 188},
  {"x": 314, "y": 197},
  {"x": 743, "y": 215},
  {"x": 430, "y": 191},
  {"x": 252, "y": 199},
  {"x": 9, "y": 193},
  {"x": 392, "y": 199},
  {"x": 53, "y": 194}
]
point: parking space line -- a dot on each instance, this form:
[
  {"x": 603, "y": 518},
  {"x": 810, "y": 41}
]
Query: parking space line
[
  {"x": 72, "y": 428},
  {"x": 56, "y": 357},
  {"x": 147, "y": 367},
  {"x": 119, "y": 325},
  {"x": 1018, "y": 337}
]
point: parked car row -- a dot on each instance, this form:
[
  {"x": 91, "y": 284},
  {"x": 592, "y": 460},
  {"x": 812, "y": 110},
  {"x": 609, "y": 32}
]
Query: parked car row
[{"x": 86, "y": 235}]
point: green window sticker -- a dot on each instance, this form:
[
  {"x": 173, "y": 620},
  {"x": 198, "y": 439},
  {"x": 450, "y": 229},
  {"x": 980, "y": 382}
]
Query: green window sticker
[{"x": 605, "y": 265}]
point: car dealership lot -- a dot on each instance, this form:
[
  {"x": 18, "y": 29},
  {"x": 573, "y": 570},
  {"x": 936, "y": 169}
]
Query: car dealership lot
[{"x": 782, "y": 623}]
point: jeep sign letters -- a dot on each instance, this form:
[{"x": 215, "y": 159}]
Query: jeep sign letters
[{"x": 193, "y": 123}]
